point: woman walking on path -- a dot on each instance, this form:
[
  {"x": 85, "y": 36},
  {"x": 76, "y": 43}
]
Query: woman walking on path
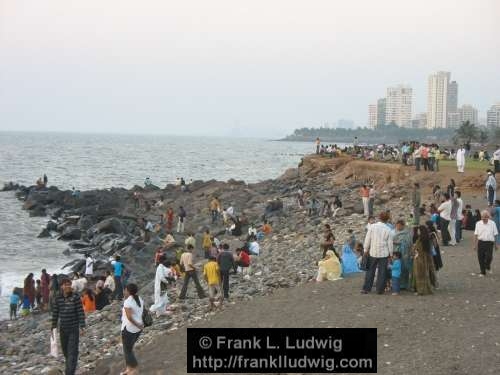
[
  {"x": 131, "y": 327},
  {"x": 163, "y": 277},
  {"x": 402, "y": 243},
  {"x": 424, "y": 277}
]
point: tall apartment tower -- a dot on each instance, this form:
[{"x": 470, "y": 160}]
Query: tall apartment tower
[
  {"x": 381, "y": 105},
  {"x": 372, "y": 116},
  {"x": 493, "y": 116},
  {"x": 468, "y": 113},
  {"x": 398, "y": 106},
  {"x": 437, "y": 100},
  {"x": 452, "y": 100}
]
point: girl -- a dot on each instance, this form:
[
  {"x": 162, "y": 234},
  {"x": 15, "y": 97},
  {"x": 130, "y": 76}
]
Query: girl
[{"x": 131, "y": 327}]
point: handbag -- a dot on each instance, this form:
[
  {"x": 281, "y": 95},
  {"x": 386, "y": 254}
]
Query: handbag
[
  {"x": 365, "y": 262},
  {"x": 147, "y": 318},
  {"x": 54, "y": 349}
]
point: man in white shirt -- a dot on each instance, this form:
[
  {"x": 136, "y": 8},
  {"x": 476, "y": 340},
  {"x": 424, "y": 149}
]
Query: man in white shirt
[
  {"x": 378, "y": 244},
  {"x": 444, "y": 219},
  {"x": 89, "y": 265},
  {"x": 460, "y": 216},
  {"x": 484, "y": 239}
]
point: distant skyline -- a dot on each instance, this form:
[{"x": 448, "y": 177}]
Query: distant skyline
[{"x": 222, "y": 67}]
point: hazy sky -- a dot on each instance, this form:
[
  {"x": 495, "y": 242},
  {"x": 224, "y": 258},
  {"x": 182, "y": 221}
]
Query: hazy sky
[{"x": 223, "y": 66}]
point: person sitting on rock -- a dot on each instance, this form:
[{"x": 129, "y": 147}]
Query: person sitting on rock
[
  {"x": 266, "y": 228},
  {"x": 254, "y": 247},
  {"x": 235, "y": 229},
  {"x": 329, "y": 268},
  {"x": 190, "y": 240},
  {"x": 169, "y": 241},
  {"x": 242, "y": 259},
  {"x": 79, "y": 283}
]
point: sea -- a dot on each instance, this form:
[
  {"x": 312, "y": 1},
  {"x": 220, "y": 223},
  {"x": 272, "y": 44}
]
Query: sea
[{"x": 100, "y": 161}]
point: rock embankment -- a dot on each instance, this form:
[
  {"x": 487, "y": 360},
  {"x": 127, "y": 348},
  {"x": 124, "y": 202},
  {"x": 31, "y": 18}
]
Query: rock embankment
[{"x": 104, "y": 222}]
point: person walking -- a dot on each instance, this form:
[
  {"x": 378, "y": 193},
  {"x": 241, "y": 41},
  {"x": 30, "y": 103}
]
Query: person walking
[
  {"x": 460, "y": 159},
  {"x": 378, "y": 246},
  {"x": 491, "y": 188},
  {"x": 371, "y": 199},
  {"x": 45, "y": 284},
  {"x": 416, "y": 201},
  {"x": 365, "y": 198},
  {"x": 444, "y": 219},
  {"x": 190, "y": 272},
  {"x": 460, "y": 216},
  {"x": 226, "y": 264},
  {"x": 67, "y": 310},
  {"x": 453, "y": 219},
  {"x": 118, "y": 274},
  {"x": 484, "y": 240},
  {"x": 181, "y": 215},
  {"x": 131, "y": 327}
]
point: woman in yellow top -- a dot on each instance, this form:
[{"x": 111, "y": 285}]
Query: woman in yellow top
[
  {"x": 206, "y": 243},
  {"x": 329, "y": 268}
]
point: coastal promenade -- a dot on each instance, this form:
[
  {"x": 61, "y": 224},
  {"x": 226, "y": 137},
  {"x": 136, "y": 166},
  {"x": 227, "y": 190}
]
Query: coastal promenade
[{"x": 455, "y": 331}]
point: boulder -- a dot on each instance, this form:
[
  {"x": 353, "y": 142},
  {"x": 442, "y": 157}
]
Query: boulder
[
  {"x": 71, "y": 232},
  {"x": 111, "y": 225},
  {"x": 44, "y": 233}
]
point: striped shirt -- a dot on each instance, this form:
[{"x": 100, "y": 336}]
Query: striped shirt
[
  {"x": 378, "y": 240},
  {"x": 69, "y": 311}
]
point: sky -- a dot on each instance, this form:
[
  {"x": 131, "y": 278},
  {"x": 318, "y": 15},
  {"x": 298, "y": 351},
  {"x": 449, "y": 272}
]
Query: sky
[{"x": 231, "y": 67}]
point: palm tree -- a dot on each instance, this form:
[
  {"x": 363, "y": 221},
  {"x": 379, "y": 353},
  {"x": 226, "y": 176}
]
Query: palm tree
[{"x": 466, "y": 132}]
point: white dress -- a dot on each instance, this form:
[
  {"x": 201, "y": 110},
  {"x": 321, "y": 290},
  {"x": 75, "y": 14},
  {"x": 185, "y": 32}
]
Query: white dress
[{"x": 161, "y": 300}]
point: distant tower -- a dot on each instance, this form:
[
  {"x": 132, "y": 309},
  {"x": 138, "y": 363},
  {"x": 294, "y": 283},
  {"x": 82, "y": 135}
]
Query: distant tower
[
  {"x": 372, "y": 116},
  {"x": 437, "y": 100},
  {"x": 493, "y": 116},
  {"x": 399, "y": 105},
  {"x": 381, "y": 107}
]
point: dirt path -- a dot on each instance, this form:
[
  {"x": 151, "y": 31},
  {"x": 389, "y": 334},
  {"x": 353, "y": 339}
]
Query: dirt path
[{"x": 455, "y": 331}]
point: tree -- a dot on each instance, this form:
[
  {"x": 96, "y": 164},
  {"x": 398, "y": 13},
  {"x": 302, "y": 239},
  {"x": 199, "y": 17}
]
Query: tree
[
  {"x": 466, "y": 132},
  {"x": 483, "y": 136}
]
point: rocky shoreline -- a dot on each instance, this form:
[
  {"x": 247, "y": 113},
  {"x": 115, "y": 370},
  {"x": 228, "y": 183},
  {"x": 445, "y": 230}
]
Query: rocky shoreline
[{"x": 104, "y": 222}]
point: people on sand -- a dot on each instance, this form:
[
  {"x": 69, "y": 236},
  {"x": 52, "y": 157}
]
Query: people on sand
[
  {"x": 484, "y": 241},
  {"x": 378, "y": 247},
  {"x": 423, "y": 274},
  {"x": 68, "y": 315},
  {"x": 329, "y": 268},
  {"x": 131, "y": 327},
  {"x": 186, "y": 262},
  {"x": 163, "y": 278},
  {"x": 226, "y": 263},
  {"x": 211, "y": 274},
  {"x": 402, "y": 243}
]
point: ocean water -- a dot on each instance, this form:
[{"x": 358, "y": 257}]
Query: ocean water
[{"x": 89, "y": 161}]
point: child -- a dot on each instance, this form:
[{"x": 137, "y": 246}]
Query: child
[
  {"x": 207, "y": 243},
  {"x": 396, "y": 272},
  {"x": 211, "y": 273},
  {"x": 14, "y": 303},
  {"x": 358, "y": 249}
]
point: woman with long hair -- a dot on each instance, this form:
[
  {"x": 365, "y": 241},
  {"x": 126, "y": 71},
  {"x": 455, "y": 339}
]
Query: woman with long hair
[
  {"x": 88, "y": 301},
  {"x": 424, "y": 277},
  {"x": 132, "y": 325}
]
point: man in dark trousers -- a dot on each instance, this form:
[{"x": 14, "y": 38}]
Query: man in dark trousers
[
  {"x": 68, "y": 310},
  {"x": 226, "y": 264}
]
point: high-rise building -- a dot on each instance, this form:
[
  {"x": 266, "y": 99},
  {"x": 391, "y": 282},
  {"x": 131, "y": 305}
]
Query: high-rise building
[
  {"x": 468, "y": 113},
  {"x": 493, "y": 116},
  {"x": 381, "y": 105},
  {"x": 421, "y": 120},
  {"x": 452, "y": 100},
  {"x": 372, "y": 116},
  {"x": 437, "y": 100},
  {"x": 398, "y": 106},
  {"x": 454, "y": 119}
]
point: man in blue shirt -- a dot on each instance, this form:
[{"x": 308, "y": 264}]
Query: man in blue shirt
[
  {"x": 118, "y": 272},
  {"x": 14, "y": 303}
]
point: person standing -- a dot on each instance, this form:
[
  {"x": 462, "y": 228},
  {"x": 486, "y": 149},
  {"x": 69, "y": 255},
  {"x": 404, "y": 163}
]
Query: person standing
[
  {"x": 460, "y": 216},
  {"x": 453, "y": 219},
  {"x": 365, "y": 197},
  {"x": 378, "y": 247},
  {"x": 226, "y": 264},
  {"x": 318, "y": 143},
  {"x": 438, "y": 156},
  {"x": 214, "y": 209},
  {"x": 484, "y": 240},
  {"x": 190, "y": 272},
  {"x": 371, "y": 199},
  {"x": 402, "y": 244},
  {"x": 424, "y": 276},
  {"x": 181, "y": 215},
  {"x": 416, "y": 201},
  {"x": 211, "y": 273},
  {"x": 131, "y": 327},
  {"x": 29, "y": 289},
  {"x": 496, "y": 159},
  {"x": 444, "y": 219},
  {"x": 169, "y": 218},
  {"x": 89, "y": 265},
  {"x": 460, "y": 159},
  {"x": 45, "y": 180},
  {"x": 491, "y": 188},
  {"x": 109, "y": 283},
  {"x": 163, "y": 277},
  {"x": 68, "y": 311},
  {"x": 417, "y": 156},
  {"x": 118, "y": 274},
  {"x": 45, "y": 283}
]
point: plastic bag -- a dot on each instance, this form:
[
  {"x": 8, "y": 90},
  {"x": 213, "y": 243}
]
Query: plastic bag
[{"x": 54, "y": 349}]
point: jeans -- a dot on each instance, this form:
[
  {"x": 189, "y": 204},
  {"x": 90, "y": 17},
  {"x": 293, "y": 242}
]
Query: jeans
[
  {"x": 491, "y": 195},
  {"x": 225, "y": 282},
  {"x": 458, "y": 230},
  {"x": 118, "y": 288},
  {"x": 444, "y": 231},
  {"x": 371, "y": 201},
  {"x": 484, "y": 255},
  {"x": 13, "y": 311},
  {"x": 215, "y": 215},
  {"x": 431, "y": 163},
  {"x": 70, "y": 339},
  {"x": 191, "y": 275},
  {"x": 425, "y": 163},
  {"x": 417, "y": 163},
  {"x": 381, "y": 265},
  {"x": 128, "y": 341},
  {"x": 452, "y": 226},
  {"x": 497, "y": 165},
  {"x": 396, "y": 285}
]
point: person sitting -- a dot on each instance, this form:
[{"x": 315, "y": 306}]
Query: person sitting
[
  {"x": 235, "y": 229},
  {"x": 266, "y": 228},
  {"x": 101, "y": 297},
  {"x": 169, "y": 241},
  {"x": 349, "y": 260},
  {"x": 254, "y": 247},
  {"x": 329, "y": 267},
  {"x": 79, "y": 283},
  {"x": 242, "y": 259}
]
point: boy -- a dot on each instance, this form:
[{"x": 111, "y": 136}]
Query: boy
[
  {"x": 14, "y": 303},
  {"x": 396, "y": 272},
  {"x": 211, "y": 273}
]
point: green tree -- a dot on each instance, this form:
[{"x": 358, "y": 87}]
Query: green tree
[{"x": 466, "y": 132}]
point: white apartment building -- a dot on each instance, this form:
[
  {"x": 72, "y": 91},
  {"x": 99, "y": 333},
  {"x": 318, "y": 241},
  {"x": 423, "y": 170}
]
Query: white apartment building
[
  {"x": 468, "y": 113},
  {"x": 398, "y": 108},
  {"x": 372, "y": 116},
  {"x": 437, "y": 100},
  {"x": 493, "y": 116}
]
